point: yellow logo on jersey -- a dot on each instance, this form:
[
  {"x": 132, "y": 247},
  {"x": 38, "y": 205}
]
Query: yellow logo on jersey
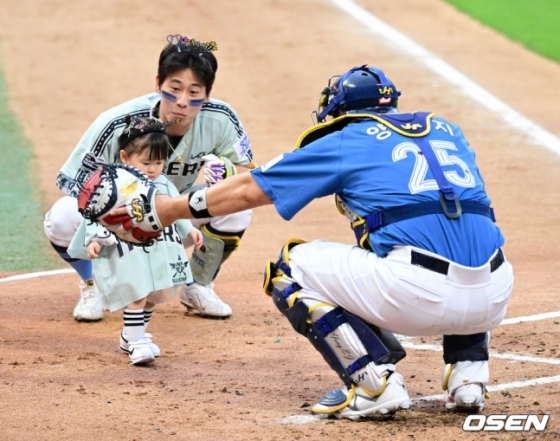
[
  {"x": 409, "y": 126},
  {"x": 137, "y": 210},
  {"x": 129, "y": 187},
  {"x": 386, "y": 90}
]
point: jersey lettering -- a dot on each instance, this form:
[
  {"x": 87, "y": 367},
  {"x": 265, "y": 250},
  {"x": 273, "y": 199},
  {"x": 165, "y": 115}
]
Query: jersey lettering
[
  {"x": 123, "y": 247},
  {"x": 440, "y": 125},
  {"x": 182, "y": 169},
  {"x": 170, "y": 234},
  {"x": 380, "y": 132},
  {"x": 418, "y": 182}
]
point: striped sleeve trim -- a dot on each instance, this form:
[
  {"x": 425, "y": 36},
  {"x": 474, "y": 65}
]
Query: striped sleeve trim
[
  {"x": 225, "y": 110},
  {"x": 101, "y": 141}
]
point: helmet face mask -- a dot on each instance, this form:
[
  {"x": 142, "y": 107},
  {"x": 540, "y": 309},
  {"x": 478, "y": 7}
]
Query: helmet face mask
[{"x": 360, "y": 89}]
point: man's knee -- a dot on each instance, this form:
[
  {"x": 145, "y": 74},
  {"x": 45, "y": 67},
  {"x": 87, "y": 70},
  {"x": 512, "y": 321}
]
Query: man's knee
[
  {"x": 357, "y": 351},
  {"x": 62, "y": 221},
  {"x": 232, "y": 222}
]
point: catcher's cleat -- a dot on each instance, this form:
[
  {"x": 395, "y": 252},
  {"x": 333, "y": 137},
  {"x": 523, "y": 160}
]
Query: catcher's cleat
[
  {"x": 89, "y": 308},
  {"x": 354, "y": 403},
  {"x": 124, "y": 346},
  {"x": 464, "y": 384},
  {"x": 203, "y": 299},
  {"x": 140, "y": 352},
  {"x": 467, "y": 398}
]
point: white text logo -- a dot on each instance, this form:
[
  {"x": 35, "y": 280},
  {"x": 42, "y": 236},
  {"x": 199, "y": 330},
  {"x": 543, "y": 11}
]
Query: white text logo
[{"x": 507, "y": 423}]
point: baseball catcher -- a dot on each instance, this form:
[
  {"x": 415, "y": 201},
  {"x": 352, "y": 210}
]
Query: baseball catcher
[{"x": 429, "y": 260}]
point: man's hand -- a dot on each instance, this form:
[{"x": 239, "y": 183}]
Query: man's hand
[{"x": 217, "y": 169}]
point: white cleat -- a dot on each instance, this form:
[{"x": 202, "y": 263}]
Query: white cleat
[
  {"x": 124, "y": 346},
  {"x": 467, "y": 398},
  {"x": 465, "y": 385},
  {"x": 354, "y": 404},
  {"x": 203, "y": 299},
  {"x": 140, "y": 352},
  {"x": 90, "y": 307}
]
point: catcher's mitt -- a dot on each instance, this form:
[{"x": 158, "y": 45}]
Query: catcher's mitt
[{"x": 120, "y": 185}]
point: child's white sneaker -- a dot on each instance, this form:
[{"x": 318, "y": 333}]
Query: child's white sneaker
[
  {"x": 140, "y": 352},
  {"x": 123, "y": 346}
]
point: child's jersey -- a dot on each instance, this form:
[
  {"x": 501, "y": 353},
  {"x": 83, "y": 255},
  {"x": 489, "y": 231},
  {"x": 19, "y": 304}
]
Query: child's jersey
[{"x": 124, "y": 273}]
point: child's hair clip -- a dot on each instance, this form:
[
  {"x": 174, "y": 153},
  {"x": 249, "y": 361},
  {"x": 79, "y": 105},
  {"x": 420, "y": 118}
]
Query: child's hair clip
[{"x": 186, "y": 43}]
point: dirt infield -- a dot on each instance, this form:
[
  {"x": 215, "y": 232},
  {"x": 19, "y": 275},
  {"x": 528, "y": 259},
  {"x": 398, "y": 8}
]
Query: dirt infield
[{"x": 252, "y": 377}]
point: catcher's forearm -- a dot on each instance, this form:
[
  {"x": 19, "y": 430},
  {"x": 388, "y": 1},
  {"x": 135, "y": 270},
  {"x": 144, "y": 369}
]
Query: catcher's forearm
[{"x": 238, "y": 193}]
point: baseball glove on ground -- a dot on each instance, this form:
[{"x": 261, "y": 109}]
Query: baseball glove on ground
[{"x": 119, "y": 185}]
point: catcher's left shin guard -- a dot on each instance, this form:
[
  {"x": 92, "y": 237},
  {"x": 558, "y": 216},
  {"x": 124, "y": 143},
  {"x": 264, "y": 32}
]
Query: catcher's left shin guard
[
  {"x": 216, "y": 249},
  {"x": 358, "y": 352}
]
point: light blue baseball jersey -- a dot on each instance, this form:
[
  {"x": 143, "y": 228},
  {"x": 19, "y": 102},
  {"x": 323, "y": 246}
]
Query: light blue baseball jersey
[
  {"x": 370, "y": 166},
  {"x": 125, "y": 273},
  {"x": 216, "y": 129}
]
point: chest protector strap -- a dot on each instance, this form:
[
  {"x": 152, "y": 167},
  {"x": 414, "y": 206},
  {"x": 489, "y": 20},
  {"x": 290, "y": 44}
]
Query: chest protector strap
[
  {"x": 448, "y": 203},
  {"x": 379, "y": 219}
]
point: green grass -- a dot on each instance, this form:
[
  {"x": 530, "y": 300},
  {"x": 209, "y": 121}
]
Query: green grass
[
  {"x": 533, "y": 23},
  {"x": 24, "y": 245}
]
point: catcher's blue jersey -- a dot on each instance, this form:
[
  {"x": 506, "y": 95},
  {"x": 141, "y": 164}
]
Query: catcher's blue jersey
[{"x": 372, "y": 166}]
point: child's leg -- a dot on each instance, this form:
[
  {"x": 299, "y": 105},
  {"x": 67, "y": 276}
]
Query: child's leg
[
  {"x": 148, "y": 311},
  {"x": 135, "y": 314},
  {"x": 133, "y": 318},
  {"x": 139, "y": 348}
]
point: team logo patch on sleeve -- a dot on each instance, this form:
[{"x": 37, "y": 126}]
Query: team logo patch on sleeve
[{"x": 243, "y": 147}]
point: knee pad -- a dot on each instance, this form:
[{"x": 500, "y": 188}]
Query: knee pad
[
  {"x": 232, "y": 222},
  {"x": 274, "y": 272},
  {"x": 216, "y": 248},
  {"x": 62, "y": 221},
  {"x": 358, "y": 352}
]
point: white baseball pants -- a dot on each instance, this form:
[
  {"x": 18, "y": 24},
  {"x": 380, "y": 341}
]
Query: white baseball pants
[{"x": 395, "y": 295}]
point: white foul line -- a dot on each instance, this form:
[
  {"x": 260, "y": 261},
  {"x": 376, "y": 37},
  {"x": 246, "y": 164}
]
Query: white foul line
[
  {"x": 530, "y": 318},
  {"x": 501, "y": 387},
  {"x": 504, "y": 356},
  {"x": 38, "y": 274},
  {"x": 305, "y": 419},
  {"x": 440, "y": 67}
]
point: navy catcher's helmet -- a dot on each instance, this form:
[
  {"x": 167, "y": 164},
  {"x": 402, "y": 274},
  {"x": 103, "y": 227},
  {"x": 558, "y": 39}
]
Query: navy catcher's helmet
[{"x": 361, "y": 88}]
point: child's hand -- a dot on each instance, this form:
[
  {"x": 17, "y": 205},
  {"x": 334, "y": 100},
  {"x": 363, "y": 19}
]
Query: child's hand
[
  {"x": 196, "y": 236},
  {"x": 93, "y": 249}
]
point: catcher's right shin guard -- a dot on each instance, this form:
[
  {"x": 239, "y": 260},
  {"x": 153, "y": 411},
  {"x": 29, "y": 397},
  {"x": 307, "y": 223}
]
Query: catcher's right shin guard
[{"x": 358, "y": 352}]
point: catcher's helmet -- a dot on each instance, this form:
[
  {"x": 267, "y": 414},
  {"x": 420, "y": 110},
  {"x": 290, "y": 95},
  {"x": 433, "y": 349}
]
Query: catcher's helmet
[{"x": 361, "y": 88}]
